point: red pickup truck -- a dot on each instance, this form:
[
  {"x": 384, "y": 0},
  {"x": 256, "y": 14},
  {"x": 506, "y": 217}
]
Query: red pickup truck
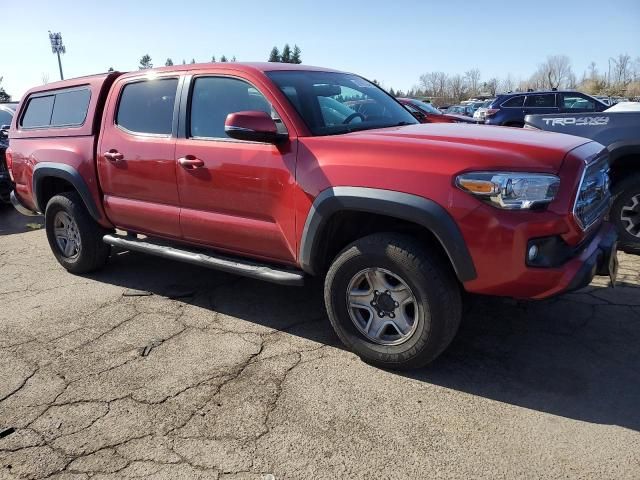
[{"x": 280, "y": 172}]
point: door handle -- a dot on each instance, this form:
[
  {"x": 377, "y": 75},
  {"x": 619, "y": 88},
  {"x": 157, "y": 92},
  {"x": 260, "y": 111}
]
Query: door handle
[
  {"x": 190, "y": 162},
  {"x": 113, "y": 156}
]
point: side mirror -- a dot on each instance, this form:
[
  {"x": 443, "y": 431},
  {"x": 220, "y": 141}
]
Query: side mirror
[
  {"x": 253, "y": 126},
  {"x": 419, "y": 116}
]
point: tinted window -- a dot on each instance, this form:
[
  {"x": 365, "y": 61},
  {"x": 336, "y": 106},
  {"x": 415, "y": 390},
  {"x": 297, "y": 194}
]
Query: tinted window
[
  {"x": 540, "y": 101},
  {"x": 70, "y": 108},
  {"x": 514, "y": 102},
  {"x": 576, "y": 102},
  {"x": 38, "y": 112},
  {"x": 214, "y": 98},
  {"x": 147, "y": 107},
  {"x": 5, "y": 118}
]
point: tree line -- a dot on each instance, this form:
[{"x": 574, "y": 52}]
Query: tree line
[
  {"x": 287, "y": 55},
  {"x": 620, "y": 78}
]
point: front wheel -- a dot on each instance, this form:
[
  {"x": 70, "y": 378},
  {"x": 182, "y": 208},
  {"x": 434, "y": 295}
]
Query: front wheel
[
  {"x": 625, "y": 213},
  {"x": 74, "y": 236},
  {"x": 392, "y": 302}
]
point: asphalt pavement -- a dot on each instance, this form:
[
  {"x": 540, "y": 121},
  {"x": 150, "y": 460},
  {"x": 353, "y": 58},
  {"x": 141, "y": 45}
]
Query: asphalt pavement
[{"x": 156, "y": 369}]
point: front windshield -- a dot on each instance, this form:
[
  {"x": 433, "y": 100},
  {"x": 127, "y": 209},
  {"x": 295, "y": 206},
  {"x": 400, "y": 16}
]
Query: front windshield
[
  {"x": 426, "y": 107},
  {"x": 334, "y": 103}
]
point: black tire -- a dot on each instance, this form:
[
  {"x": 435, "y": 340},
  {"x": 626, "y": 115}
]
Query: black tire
[
  {"x": 93, "y": 253},
  {"x": 432, "y": 282},
  {"x": 625, "y": 193}
]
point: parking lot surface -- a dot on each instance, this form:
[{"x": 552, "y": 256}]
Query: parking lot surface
[{"x": 155, "y": 369}]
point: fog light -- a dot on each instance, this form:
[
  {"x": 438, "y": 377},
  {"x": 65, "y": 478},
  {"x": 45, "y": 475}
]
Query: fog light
[{"x": 533, "y": 252}]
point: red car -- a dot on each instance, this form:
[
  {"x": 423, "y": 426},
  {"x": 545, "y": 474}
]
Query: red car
[
  {"x": 427, "y": 113},
  {"x": 264, "y": 170}
]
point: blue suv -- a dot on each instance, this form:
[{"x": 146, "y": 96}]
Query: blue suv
[{"x": 510, "y": 109}]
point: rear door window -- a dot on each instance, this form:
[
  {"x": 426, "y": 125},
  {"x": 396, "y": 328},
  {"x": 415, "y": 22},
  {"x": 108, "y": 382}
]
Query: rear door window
[
  {"x": 541, "y": 101},
  {"x": 514, "y": 102},
  {"x": 147, "y": 107},
  {"x": 38, "y": 112}
]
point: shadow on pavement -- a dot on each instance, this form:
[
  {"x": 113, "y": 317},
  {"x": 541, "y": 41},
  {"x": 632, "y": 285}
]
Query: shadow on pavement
[
  {"x": 12, "y": 222},
  {"x": 576, "y": 356}
]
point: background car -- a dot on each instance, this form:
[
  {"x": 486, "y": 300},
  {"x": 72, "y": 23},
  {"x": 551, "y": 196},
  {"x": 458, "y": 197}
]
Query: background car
[
  {"x": 466, "y": 110},
  {"x": 427, "y": 113},
  {"x": 480, "y": 113},
  {"x": 7, "y": 111},
  {"x": 510, "y": 109}
]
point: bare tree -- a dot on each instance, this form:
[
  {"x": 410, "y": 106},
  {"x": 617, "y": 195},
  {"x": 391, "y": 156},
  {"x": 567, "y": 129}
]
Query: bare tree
[
  {"x": 457, "y": 87},
  {"x": 556, "y": 71},
  {"x": 492, "y": 86},
  {"x": 622, "y": 70},
  {"x": 507, "y": 84},
  {"x": 45, "y": 78},
  {"x": 472, "y": 78}
]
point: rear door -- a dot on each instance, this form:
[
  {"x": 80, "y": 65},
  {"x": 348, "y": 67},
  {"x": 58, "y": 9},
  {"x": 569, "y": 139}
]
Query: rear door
[
  {"x": 542, "y": 103},
  {"x": 240, "y": 197},
  {"x": 136, "y": 161}
]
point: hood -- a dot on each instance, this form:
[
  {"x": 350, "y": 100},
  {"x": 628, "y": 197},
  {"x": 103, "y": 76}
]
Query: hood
[{"x": 467, "y": 146}]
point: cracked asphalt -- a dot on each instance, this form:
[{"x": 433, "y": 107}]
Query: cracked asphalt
[{"x": 155, "y": 369}]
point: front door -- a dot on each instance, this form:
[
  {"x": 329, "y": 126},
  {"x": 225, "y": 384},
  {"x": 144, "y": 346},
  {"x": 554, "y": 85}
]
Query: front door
[
  {"x": 136, "y": 161},
  {"x": 235, "y": 195}
]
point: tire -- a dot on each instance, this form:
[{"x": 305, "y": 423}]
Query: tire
[
  {"x": 92, "y": 253},
  {"x": 436, "y": 310},
  {"x": 625, "y": 213}
]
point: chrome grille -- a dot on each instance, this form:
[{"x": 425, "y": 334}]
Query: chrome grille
[{"x": 594, "y": 197}]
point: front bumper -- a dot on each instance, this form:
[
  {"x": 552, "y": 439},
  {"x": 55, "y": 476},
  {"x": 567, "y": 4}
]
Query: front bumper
[
  {"x": 602, "y": 261},
  {"x": 507, "y": 273},
  {"x": 15, "y": 201}
]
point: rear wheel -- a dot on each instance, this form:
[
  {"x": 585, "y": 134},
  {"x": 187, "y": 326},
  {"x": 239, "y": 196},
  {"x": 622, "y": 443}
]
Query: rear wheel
[
  {"x": 625, "y": 213},
  {"x": 392, "y": 302},
  {"x": 74, "y": 236}
]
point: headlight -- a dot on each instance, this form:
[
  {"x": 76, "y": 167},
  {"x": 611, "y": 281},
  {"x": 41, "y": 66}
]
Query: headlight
[{"x": 510, "y": 190}]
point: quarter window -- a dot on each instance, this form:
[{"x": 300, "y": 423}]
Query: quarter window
[
  {"x": 514, "y": 102},
  {"x": 147, "y": 106},
  {"x": 214, "y": 98},
  {"x": 541, "y": 101}
]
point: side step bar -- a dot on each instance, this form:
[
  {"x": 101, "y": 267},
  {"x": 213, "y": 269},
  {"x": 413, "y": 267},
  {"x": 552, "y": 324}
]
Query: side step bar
[{"x": 244, "y": 268}]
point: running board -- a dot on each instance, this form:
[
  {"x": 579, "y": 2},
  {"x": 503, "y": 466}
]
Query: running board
[{"x": 244, "y": 268}]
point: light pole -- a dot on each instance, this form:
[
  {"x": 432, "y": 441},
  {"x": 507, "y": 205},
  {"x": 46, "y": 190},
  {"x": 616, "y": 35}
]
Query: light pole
[{"x": 57, "y": 47}]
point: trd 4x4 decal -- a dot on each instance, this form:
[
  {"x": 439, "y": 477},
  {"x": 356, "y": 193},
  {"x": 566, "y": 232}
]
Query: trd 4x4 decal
[{"x": 581, "y": 122}]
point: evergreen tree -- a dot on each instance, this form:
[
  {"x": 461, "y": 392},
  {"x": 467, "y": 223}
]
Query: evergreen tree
[
  {"x": 4, "y": 96},
  {"x": 168, "y": 63},
  {"x": 295, "y": 57},
  {"x": 193, "y": 60},
  {"x": 391, "y": 92},
  {"x": 286, "y": 54},
  {"x": 213, "y": 59},
  {"x": 145, "y": 62},
  {"x": 110, "y": 69},
  {"x": 233, "y": 59},
  {"x": 223, "y": 58},
  {"x": 275, "y": 55},
  {"x": 183, "y": 62}
]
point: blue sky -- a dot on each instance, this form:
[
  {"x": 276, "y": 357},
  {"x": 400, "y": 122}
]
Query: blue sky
[{"x": 393, "y": 42}]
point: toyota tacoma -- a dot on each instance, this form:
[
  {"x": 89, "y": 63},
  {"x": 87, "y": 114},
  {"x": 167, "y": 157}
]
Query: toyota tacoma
[{"x": 281, "y": 172}]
